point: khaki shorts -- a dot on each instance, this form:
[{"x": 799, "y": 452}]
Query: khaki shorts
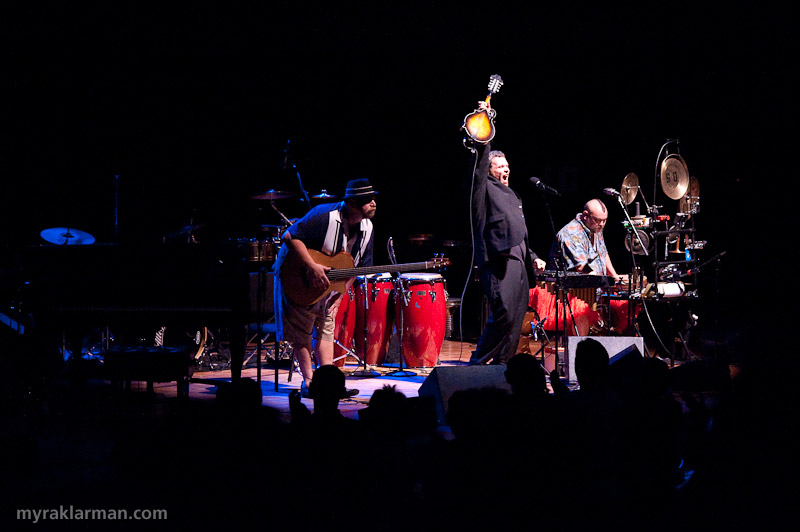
[{"x": 299, "y": 321}]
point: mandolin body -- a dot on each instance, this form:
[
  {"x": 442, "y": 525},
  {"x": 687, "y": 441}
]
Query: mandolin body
[{"x": 479, "y": 126}]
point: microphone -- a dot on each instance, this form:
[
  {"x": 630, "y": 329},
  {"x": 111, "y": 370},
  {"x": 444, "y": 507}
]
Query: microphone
[
  {"x": 390, "y": 247},
  {"x": 611, "y": 192},
  {"x": 535, "y": 181}
]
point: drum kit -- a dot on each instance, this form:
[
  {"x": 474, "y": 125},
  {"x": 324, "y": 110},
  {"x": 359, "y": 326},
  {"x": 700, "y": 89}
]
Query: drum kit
[{"x": 261, "y": 250}]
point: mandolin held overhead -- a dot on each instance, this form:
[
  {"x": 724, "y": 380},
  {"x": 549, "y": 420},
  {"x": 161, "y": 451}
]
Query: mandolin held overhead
[{"x": 479, "y": 125}]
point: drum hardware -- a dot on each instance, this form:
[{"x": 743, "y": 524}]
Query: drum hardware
[
  {"x": 640, "y": 222},
  {"x": 669, "y": 273},
  {"x": 666, "y": 290},
  {"x": 347, "y": 350},
  {"x": 690, "y": 203},
  {"x": 365, "y": 370},
  {"x": 67, "y": 236},
  {"x": 401, "y": 294},
  {"x": 631, "y": 225}
]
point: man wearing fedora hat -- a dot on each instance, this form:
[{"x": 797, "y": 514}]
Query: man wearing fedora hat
[{"x": 328, "y": 228}]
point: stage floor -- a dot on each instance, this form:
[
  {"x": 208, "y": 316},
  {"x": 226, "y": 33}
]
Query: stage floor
[{"x": 276, "y": 387}]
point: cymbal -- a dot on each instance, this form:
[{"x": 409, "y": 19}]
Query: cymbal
[
  {"x": 272, "y": 194},
  {"x": 185, "y": 230},
  {"x": 67, "y": 236},
  {"x": 323, "y": 195},
  {"x": 630, "y": 188},
  {"x": 690, "y": 202},
  {"x": 674, "y": 176}
]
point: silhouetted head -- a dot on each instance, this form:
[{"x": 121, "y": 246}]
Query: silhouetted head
[
  {"x": 525, "y": 374},
  {"x": 327, "y": 383},
  {"x": 591, "y": 362}
]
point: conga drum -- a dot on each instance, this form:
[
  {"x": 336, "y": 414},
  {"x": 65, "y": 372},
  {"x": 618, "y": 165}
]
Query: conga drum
[
  {"x": 374, "y": 298},
  {"x": 344, "y": 328},
  {"x": 424, "y": 318}
]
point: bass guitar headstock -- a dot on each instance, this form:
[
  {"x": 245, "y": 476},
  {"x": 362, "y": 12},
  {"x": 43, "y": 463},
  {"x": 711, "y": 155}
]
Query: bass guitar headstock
[{"x": 439, "y": 262}]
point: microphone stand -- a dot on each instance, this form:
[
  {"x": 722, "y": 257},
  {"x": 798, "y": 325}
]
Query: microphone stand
[
  {"x": 116, "y": 207},
  {"x": 560, "y": 288},
  {"x": 403, "y": 294},
  {"x": 632, "y": 231},
  {"x": 631, "y": 228},
  {"x": 287, "y": 161},
  {"x": 365, "y": 370}
]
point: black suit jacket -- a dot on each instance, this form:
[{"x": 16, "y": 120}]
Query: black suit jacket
[{"x": 497, "y": 217}]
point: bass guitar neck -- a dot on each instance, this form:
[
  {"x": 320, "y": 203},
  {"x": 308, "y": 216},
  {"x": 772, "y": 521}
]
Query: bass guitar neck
[{"x": 297, "y": 286}]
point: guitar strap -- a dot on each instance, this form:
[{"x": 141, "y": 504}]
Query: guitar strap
[{"x": 336, "y": 240}]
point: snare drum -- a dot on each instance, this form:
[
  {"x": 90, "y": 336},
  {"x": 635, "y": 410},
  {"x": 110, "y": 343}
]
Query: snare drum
[
  {"x": 424, "y": 318},
  {"x": 373, "y": 297}
]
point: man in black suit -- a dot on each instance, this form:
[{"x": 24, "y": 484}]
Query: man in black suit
[{"x": 502, "y": 256}]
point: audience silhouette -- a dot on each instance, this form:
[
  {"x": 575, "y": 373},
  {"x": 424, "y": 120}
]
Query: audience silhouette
[{"x": 634, "y": 450}]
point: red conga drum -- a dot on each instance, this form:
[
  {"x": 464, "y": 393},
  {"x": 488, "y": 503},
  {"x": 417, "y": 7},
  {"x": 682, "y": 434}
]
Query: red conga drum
[
  {"x": 344, "y": 328},
  {"x": 618, "y": 310},
  {"x": 373, "y": 297},
  {"x": 543, "y": 300},
  {"x": 423, "y": 319}
]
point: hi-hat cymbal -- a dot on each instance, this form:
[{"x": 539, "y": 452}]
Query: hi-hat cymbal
[
  {"x": 674, "y": 176},
  {"x": 323, "y": 195},
  {"x": 630, "y": 188},
  {"x": 690, "y": 202},
  {"x": 272, "y": 194},
  {"x": 67, "y": 236}
]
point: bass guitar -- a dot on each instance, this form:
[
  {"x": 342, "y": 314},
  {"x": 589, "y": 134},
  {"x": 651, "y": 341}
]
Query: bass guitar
[
  {"x": 296, "y": 285},
  {"x": 479, "y": 124}
]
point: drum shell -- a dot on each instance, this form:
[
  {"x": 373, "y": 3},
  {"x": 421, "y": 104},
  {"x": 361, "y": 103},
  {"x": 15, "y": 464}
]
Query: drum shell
[
  {"x": 379, "y": 309},
  {"x": 345, "y": 324},
  {"x": 259, "y": 249},
  {"x": 423, "y": 319}
]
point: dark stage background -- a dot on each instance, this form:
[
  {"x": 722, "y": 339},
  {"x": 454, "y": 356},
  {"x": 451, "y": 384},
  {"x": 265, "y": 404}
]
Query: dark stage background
[{"x": 193, "y": 109}]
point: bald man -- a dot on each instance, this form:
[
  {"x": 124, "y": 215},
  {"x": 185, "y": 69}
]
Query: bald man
[{"x": 581, "y": 242}]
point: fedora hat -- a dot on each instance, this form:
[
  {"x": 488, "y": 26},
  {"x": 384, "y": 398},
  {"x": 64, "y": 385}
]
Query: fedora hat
[{"x": 359, "y": 188}]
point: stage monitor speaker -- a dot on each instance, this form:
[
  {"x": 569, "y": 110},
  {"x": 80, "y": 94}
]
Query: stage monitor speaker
[
  {"x": 444, "y": 381},
  {"x": 620, "y": 352}
]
